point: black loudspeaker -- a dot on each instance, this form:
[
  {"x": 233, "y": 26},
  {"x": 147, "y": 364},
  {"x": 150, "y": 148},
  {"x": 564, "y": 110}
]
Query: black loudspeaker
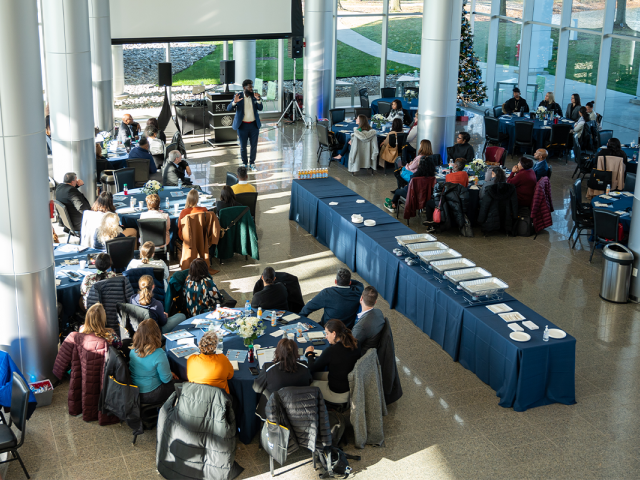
[
  {"x": 227, "y": 72},
  {"x": 295, "y": 47},
  {"x": 164, "y": 74}
]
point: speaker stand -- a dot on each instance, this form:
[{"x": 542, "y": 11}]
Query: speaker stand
[{"x": 294, "y": 105}]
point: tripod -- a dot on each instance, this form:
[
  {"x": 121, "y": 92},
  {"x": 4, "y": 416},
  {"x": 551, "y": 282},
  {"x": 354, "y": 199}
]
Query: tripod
[{"x": 293, "y": 104}]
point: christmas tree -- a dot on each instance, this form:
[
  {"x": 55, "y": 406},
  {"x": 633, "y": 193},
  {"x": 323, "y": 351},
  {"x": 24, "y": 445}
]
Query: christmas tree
[{"x": 471, "y": 88}]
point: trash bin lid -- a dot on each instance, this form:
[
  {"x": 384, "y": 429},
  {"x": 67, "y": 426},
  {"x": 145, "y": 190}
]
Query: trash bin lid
[{"x": 617, "y": 251}]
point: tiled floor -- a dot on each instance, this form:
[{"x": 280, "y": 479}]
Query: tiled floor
[{"x": 448, "y": 423}]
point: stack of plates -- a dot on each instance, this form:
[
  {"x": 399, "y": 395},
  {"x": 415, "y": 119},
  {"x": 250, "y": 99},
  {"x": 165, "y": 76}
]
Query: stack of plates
[{"x": 370, "y": 223}]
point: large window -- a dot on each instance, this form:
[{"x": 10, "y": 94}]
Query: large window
[
  {"x": 582, "y": 67},
  {"x": 481, "y": 41},
  {"x": 511, "y": 8},
  {"x": 507, "y": 60},
  {"x": 588, "y": 14}
]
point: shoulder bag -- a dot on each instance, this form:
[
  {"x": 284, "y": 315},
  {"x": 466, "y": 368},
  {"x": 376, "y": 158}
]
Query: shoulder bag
[
  {"x": 599, "y": 179},
  {"x": 389, "y": 153},
  {"x": 437, "y": 213},
  {"x": 235, "y": 220}
]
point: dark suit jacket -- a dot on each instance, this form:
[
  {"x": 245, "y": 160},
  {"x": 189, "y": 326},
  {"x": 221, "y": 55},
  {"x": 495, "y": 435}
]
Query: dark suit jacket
[
  {"x": 172, "y": 173},
  {"x": 368, "y": 329},
  {"x": 75, "y": 202},
  {"x": 294, "y": 294},
  {"x": 338, "y": 302},
  {"x": 237, "y": 121},
  {"x": 271, "y": 297},
  {"x": 139, "y": 152}
]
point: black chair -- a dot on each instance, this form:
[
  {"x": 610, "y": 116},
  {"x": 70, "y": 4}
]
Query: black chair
[
  {"x": 9, "y": 443},
  {"x": 125, "y": 176},
  {"x": 336, "y": 115},
  {"x": 248, "y": 199},
  {"x": 580, "y": 220},
  {"x": 63, "y": 216},
  {"x": 524, "y": 135},
  {"x": 141, "y": 167},
  {"x": 158, "y": 274},
  {"x": 605, "y": 229},
  {"x": 121, "y": 249},
  {"x": 492, "y": 134},
  {"x": 629, "y": 183},
  {"x": 584, "y": 162},
  {"x": 170, "y": 148},
  {"x": 497, "y": 111},
  {"x": 384, "y": 108},
  {"x": 232, "y": 179},
  {"x": 159, "y": 161},
  {"x": 605, "y": 136},
  {"x": 362, "y": 111},
  {"x": 153, "y": 230},
  {"x": 407, "y": 118},
  {"x": 560, "y": 138},
  {"x": 388, "y": 92},
  {"x": 324, "y": 145},
  {"x": 582, "y": 208},
  {"x": 364, "y": 98}
]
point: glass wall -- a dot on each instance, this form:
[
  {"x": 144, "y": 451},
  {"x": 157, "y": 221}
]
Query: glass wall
[
  {"x": 507, "y": 60},
  {"x": 481, "y": 40},
  {"x": 582, "y": 68},
  {"x": 588, "y": 14},
  {"x": 511, "y": 8}
]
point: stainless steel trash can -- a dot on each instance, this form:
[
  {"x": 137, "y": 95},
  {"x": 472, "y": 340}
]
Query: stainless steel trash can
[{"x": 616, "y": 273}]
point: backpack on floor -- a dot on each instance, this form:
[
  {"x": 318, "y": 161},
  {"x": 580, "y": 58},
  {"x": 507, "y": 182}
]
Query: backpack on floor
[
  {"x": 523, "y": 226},
  {"x": 334, "y": 462}
]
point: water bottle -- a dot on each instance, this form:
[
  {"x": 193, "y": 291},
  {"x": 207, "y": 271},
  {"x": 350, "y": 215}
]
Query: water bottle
[
  {"x": 545, "y": 335},
  {"x": 608, "y": 189},
  {"x": 217, "y": 312},
  {"x": 259, "y": 313},
  {"x": 273, "y": 318},
  {"x": 167, "y": 203},
  {"x": 179, "y": 183},
  {"x": 247, "y": 308}
]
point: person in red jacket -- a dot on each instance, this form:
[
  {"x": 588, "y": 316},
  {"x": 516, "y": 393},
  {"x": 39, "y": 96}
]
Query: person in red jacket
[
  {"x": 458, "y": 175},
  {"x": 524, "y": 179}
]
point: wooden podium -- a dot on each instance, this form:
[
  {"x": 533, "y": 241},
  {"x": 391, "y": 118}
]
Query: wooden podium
[{"x": 220, "y": 120}]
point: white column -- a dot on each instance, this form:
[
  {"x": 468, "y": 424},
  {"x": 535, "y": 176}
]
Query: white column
[
  {"x": 334, "y": 52},
  {"x": 29, "y": 330},
  {"x": 317, "y": 58},
  {"x": 563, "y": 50},
  {"x": 117, "y": 62},
  {"x": 225, "y": 50},
  {"x": 42, "y": 50},
  {"x": 440, "y": 53},
  {"x": 383, "y": 43},
  {"x": 101, "y": 69},
  {"x": 244, "y": 54},
  {"x": 68, "y": 57},
  {"x": 605, "y": 55},
  {"x": 634, "y": 245},
  {"x": 282, "y": 53}
]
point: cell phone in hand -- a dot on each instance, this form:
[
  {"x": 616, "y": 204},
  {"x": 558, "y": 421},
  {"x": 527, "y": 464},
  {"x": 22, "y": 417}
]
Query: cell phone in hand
[{"x": 254, "y": 371}]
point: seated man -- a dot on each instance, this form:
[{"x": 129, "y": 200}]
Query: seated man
[
  {"x": 243, "y": 182},
  {"x": 461, "y": 149},
  {"x": 541, "y": 167},
  {"x": 515, "y": 104},
  {"x": 175, "y": 169},
  {"x": 458, "y": 175},
  {"x": 524, "y": 179},
  {"x": 340, "y": 302},
  {"x": 156, "y": 146},
  {"x": 274, "y": 295},
  {"x": 68, "y": 194},
  {"x": 142, "y": 151},
  {"x": 370, "y": 321},
  {"x": 128, "y": 129}
]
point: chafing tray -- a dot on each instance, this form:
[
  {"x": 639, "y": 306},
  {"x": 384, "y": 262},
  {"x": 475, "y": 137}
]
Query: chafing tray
[
  {"x": 405, "y": 240},
  {"x": 441, "y": 266},
  {"x": 426, "y": 246},
  {"x": 432, "y": 255},
  {"x": 465, "y": 274},
  {"x": 484, "y": 286}
]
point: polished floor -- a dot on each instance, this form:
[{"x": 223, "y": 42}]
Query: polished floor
[{"x": 448, "y": 424}]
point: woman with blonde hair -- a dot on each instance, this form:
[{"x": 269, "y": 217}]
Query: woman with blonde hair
[
  {"x": 146, "y": 260},
  {"x": 550, "y": 104},
  {"x": 209, "y": 367},
  {"x": 95, "y": 323},
  {"x": 403, "y": 175},
  {"x": 153, "y": 206},
  {"x": 144, "y": 298},
  {"x": 109, "y": 228},
  {"x": 191, "y": 206},
  {"x": 148, "y": 364}
]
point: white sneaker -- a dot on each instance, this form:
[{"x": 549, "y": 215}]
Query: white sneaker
[
  {"x": 391, "y": 209},
  {"x": 253, "y": 168}
]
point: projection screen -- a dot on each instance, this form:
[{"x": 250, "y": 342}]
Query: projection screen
[{"x": 149, "y": 21}]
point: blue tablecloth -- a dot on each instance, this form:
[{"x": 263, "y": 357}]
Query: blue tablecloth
[
  {"x": 68, "y": 292},
  {"x": 412, "y": 106},
  {"x": 117, "y": 161},
  {"x": 344, "y": 130},
  {"x": 541, "y": 134},
  {"x": 432, "y": 305},
  {"x": 619, "y": 203},
  {"x": 241, "y": 385}
]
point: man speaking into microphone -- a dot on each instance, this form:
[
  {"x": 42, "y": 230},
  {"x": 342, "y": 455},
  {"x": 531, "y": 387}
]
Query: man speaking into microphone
[{"x": 247, "y": 121}]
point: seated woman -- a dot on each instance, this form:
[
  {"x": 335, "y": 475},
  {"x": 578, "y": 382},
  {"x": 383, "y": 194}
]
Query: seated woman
[
  {"x": 364, "y": 149},
  {"x": 95, "y": 323},
  {"x": 144, "y": 298},
  {"x": 403, "y": 174},
  {"x": 200, "y": 293},
  {"x": 524, "y": 179},
  {"x": 458, "y": 175},
  {"x": 347, "y": 146},
  {"x": 492, "y": 176},
  {"x": 396, "y": 111},
  {"x": 426, "y": 169},
  {"x": 614, "y": 149},
  {"x": 153, "y": 205},
  {"x": 153, "y": 122},
  {"x": 149, "y": 365},
  {"x": 338, "y": 359},
  {"x": 109, "y": 228},
  {"x": 103, "y": 264},
  {"x": 191, "y": 206},
  {"x": 209, "y": 367},
  {"x": 578, "y": 127},
  {"x": 396, "y": 127},
  {"x": 146, "y": 260},
  {"x": 284, "y": 371},
  {"x": 227, "y": 199}
]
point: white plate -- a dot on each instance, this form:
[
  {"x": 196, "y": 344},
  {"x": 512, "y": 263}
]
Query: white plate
[
  {"x": 557, "y": 333},
  {"x": 359, "y": 201},
  {"x": 357, "y": 221},
  {"x": 333, "y": 203},
  {"x": 520, "y": 336},
  {"x": 370, "y": 223}
]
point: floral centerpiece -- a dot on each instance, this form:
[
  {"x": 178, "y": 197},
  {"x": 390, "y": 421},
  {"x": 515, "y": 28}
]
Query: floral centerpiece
[
  {"x": 541, "y": 112},
  {"x": 248, "y": 328},
  {"x": 151, "y": 187},
  {"x": 106, "y": 137},
  {"x": 410, "y": 95},
  {"x": 477, "y": 166},
  {"x": 378, "y": 120}
]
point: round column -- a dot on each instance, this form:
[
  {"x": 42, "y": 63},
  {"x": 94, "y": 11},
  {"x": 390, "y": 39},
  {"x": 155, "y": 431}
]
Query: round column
[
  {"x": 117, "y": 63},
  {"x": 318, "y": 30},
  {"x": 438, "y": 92},
  {"x": 244, "y": 54},
  {"x": 29, "y": 330},
  {"x": 101, "y": 69},
  {"x": 634, "y": 245},
  {"x": 68, "y": 57}
]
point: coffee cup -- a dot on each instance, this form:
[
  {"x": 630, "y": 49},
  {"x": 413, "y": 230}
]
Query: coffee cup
[{"x": 83, "y": 263}]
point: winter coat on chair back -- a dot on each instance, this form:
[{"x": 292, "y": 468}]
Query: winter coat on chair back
[
  {"x": 455, "y": 199},
  {"x": 418, "y": 194},
  {"x": 364, "y": 150},
  {"x": 367, "y": 401},
  {"x": 542, "y": 205},
  {"x": 498, "y": 208},
  {"x": 119, "y": 396},
  {"x": 85, "y": 354},
  {"x": 199, "y": 232},
  {"x": 109, "y": 293},
  {"x": 196, "y": 436}
]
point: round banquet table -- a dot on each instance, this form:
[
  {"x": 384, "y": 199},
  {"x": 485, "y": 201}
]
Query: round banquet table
[
  {"x": 541, "y": 133},
  {"x": 411, "y": 106},
  {"x": 619, "y": 203},
  {"x": 241, "y": 385},
  {"x": 68, "y": 292}
]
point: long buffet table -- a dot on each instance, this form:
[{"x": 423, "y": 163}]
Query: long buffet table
[{"x": 524, "y": 375}]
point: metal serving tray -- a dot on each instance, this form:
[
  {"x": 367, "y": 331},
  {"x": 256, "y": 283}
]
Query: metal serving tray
[
  {"x": 441, "y": 266},
  {"x": 426, "y": 246},
  {"x": 465, "y": 274},
  {"x": 432, "y": 255},
  {"x": 405, "y": 240},
  {"x": 484, "y": 286}
]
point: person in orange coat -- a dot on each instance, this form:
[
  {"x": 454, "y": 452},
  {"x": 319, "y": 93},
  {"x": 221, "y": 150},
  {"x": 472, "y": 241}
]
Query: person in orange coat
[
  {"x": 458, "y": 175},
  {"x": 191, "y": 206},
  {"x": 209, "y": 367}
]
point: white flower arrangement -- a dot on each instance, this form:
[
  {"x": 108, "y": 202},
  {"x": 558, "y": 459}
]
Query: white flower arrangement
[
  {"x": 378, "y": 119},
  {"x": 104, "y": 137},
  {"x": 477, "y": 165},
  {"x": 151, "y": 187},
  {"x": 248, "y": 328},
  {"x": 541, "y": 109}
]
